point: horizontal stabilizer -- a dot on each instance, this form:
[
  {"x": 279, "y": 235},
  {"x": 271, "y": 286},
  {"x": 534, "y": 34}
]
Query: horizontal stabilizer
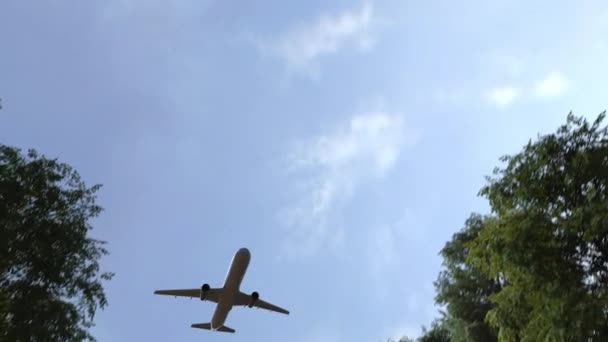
[{"x": 207, "y": 326}]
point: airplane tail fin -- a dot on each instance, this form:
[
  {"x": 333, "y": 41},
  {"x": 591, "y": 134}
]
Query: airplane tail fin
[{"x": 207, "y": 326}]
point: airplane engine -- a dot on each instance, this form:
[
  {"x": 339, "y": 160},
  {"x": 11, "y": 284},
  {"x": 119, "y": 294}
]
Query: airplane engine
[
  {"x": 204, "y": 290},
  {"x": 254, "y": 297}
]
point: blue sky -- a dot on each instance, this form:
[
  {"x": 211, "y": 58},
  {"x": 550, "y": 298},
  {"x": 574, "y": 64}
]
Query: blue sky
[{"x": 343, "y": 143}]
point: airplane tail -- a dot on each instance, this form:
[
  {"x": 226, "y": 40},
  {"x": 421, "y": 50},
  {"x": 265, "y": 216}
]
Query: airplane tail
[{"x": 207, "y": 326}]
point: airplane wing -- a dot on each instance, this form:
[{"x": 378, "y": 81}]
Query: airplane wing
[
  {"x": 212, "y": 295},
  {"x": 243, "y": 299}
]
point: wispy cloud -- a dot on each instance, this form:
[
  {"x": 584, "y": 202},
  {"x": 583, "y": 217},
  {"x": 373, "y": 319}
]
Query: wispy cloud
[
  {"x": 336, "y": 163},
  {"x": 554, "y": 84},
  {"x": 503, "y": 96},
  {"x": 303, "y": 45}
]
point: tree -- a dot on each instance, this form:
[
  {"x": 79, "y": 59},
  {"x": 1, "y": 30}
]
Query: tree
[
  {"x": 536, "y": 268},
  {"x": 402, "y": 339},
  {"x": 464, "y": 289},
  {"x": 439, "y": 332},
  {"x": 548, "y": 239},
  {"x": 50, "y": 279}
]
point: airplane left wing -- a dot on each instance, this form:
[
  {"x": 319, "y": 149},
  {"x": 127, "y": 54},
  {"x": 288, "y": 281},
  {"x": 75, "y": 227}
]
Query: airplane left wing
[
  {"x": 211, "y": 294},
  {"x": 243, "y": 299}
]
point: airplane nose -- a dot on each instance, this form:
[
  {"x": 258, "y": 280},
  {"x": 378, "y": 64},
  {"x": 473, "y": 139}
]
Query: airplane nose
[{"x": 245, "y": 252}]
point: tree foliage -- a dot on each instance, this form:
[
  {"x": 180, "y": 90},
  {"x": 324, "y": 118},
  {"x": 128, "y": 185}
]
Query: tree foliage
[
  {"x": 536, "y": 268},
  {"x": 548, "y": 238},
  {"x": 464, "y": 289},
  {"x": 439, "y": 332},
  {"x": 50, "y": 279}
]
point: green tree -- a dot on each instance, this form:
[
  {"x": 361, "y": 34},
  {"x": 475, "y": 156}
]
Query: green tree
[
  {"x": 50, "y": 280},
  {"x": 548, "y": 238},
  {"x": 464, "y": 289},
  {"x": 403, "y": 339},
  {"x": 439, "y": 332}
]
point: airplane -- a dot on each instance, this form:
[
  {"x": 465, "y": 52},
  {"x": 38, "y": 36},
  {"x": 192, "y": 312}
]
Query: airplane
[{"x": 226, "y": 297}]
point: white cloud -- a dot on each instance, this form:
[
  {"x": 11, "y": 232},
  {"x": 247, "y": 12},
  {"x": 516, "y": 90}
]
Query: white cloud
[
  {"x": 302, "y": 46},
  {"x": 365, "y": 148},
  {"x": 554, "y": 84},
  {"x": 503, "y": 96}
]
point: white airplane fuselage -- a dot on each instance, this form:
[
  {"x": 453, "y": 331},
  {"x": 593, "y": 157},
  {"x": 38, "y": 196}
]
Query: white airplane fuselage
[{"x": 232, "y": 285}]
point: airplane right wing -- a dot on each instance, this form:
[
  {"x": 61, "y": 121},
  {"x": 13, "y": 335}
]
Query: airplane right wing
[
  {"x": 211, "y": 294},
  {"x": 243, "y": 299}
]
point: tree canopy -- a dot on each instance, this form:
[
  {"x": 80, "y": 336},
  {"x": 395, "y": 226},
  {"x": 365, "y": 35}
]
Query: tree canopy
[
  {"x": 536, "y": 267},
  {"x": 549, "y": 237},
  {"x": 464, "y": 289},
  {"x": 50, "y": 278}
]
